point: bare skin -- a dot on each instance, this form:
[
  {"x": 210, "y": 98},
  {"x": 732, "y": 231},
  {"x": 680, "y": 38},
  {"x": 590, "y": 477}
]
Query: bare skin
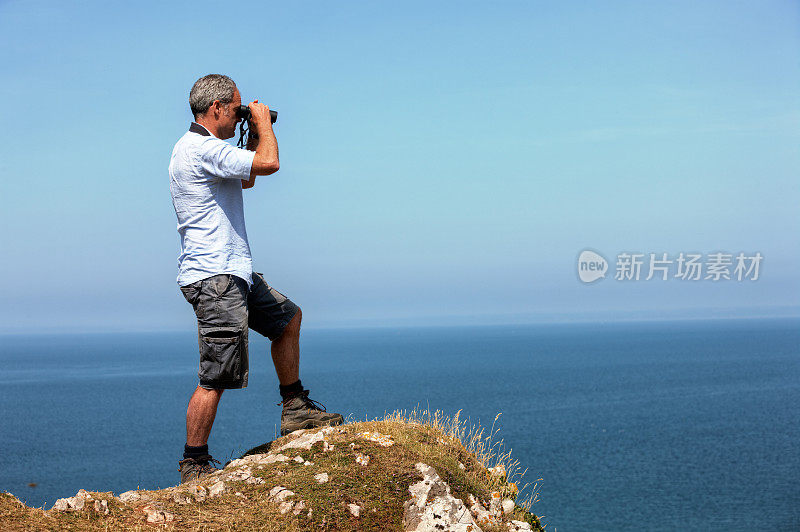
[
  {"x": 220, "y": 120},
  {"x": 202, "y": 409}
]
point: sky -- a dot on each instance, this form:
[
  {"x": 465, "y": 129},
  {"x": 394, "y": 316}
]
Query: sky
[{"x": 442, "y": 163}]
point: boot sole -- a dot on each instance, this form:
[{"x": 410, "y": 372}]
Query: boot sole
[{"x": 311, "y": 424}]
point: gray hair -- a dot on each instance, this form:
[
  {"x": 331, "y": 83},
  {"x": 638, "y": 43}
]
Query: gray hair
[{"x": 209, "y": 88}]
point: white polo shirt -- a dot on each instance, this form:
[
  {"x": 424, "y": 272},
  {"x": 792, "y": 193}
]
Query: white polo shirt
[{"x": 205, "y": 176}]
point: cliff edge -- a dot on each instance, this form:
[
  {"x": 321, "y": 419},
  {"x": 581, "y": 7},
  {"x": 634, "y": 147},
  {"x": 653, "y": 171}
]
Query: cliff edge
[{"x": 417, "y": 472}]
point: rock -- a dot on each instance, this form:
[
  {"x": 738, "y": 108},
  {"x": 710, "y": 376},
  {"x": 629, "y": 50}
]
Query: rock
[
  {"x": 519, "y": 526},
  {"x": 321, "y": 478},
  {"x": 65, "y": 505},
  {"x": 285, "y": 507},
  {"x": 181, "y": 497},
  {"x": 355, "y": 509},
  {"x": 255, "y": 480},
  {"x": 299, "y": 507},
  {"x": 384, "y": 440},
  {"x": 244, "y": 473},
  {"x": 101, "y": 507},
  {"x": 261, "y": 459},
  {"x": 305, "y": 441},
  {"x": 362, "y": 459},
  {"x": 130, "y": 496},
  {"x": 198, "y": 492},
  {"x": 327, "y": 446},
  {"x": 498, "y": 471},
  {"x": 73, "y": 504},
  {"x": 508, "y": 506},
  {"x": 299, "y": 459},
  {"x": 157, "y": 515},
  {"x": 280, "y": 494},
  {"x": 481, "y": 515},
  {"x": 307, "y": 463},
  {"x": 495, "y": 505},
  {"x": 461, "y": 466},
  {"x": 432, "y": 507},
  {"x": 216, "y": 489}
]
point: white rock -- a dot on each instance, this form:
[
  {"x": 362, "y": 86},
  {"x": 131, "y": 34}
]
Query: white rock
[
  {"x": 238, "y": 462},
  {"x": 354, "y": 509},
  {"x": 198, "y": 492},
  {"x": 255, "y": 480},
  {"x": 307, "y": 463},
  {"x": 432, "y": 507},
  {"x": 498, "y": 471},
  {"x": 156, "y": 516},
  {"x": 72, "y": 504},
  {"x": 307, "y": 439},
  {"x": 101, "y": 507},
  {"x": 130, "y": 496},
  {"x": 181, "y": 498},
  {"x": 280, "y": 494},
  {"x": 519, "y": 526},
  {"x": 299, "y": 459},
  {"x": 216, "y": 489},
  {"x": 362, "y": 459},
  {"x": 321, "y": 478},
  {"x": 481, "y": 515},
  {"x": 64, "y": 505},
  {"x": 508, "y": 506},
  {"x": 299, "y": 507},
  {"x": 243, "y": 473},
  {"x": 495, "y": 504},
  {"x": 285, "y": 507},
  {"x": 461, "y": 466},
  {"x": 384, "y": 440}
]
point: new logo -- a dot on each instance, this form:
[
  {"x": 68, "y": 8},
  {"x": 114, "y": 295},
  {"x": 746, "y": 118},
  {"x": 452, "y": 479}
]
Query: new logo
[{"x": 591, "y": 266}]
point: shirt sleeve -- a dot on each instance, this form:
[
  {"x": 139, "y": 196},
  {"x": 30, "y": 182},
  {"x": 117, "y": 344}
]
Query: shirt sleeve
[{"x": 218, "y": 158}]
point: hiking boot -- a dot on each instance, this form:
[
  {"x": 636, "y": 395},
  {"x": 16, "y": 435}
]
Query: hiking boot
[
  {"x": 300, "y": 412},
  {"x": 196, "y": 468}
]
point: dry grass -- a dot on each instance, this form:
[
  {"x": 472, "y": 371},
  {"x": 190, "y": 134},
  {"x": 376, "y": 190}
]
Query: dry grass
[{"x": 380, "y": 488}]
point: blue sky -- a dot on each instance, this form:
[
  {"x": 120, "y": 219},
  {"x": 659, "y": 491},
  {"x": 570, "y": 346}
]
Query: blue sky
[{"x": 441, "y": 163}]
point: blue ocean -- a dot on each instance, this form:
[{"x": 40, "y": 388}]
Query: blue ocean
[{"x": 691, "y": 425}]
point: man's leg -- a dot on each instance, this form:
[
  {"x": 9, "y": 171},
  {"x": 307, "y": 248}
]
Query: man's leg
[
  {"x": 273, "y": 315},
  {"x": 286, "y": 351},
  {"x": 220, "y": 303},
  {"x": 200, "y": 415}
]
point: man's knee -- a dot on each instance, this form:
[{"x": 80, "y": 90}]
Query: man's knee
[{"x": 293, "y": 327}]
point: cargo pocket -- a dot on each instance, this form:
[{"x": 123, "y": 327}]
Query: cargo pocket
[
  {"x": 191, "y": 292},
  {"x": 220, "y": 363}
]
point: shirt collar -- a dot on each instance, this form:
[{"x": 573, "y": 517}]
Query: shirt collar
[{"x": 200, "y": 130}]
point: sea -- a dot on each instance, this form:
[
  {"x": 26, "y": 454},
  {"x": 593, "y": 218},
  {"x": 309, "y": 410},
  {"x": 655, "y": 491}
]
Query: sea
[{"x": 683, "y": 425}]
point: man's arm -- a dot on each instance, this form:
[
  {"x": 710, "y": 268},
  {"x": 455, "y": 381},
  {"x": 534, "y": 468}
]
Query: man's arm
[{"x": 265, "y": 161}]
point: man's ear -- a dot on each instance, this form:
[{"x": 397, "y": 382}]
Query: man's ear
[{"x": 217, "y": 107}]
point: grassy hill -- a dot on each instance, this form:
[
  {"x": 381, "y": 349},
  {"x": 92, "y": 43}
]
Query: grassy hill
[{"x": 408, "y": 471}]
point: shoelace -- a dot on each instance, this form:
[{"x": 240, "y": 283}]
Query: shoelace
[
  {"x": 306, "y": 400},
  {"x": 205, "y": 461}
]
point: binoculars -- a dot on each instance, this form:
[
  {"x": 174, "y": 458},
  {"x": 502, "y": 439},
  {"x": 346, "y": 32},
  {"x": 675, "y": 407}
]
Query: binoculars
[{"x": 244, "y": 113}]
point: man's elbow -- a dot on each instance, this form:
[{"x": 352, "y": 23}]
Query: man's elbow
[{"x": 267, "y": 167}]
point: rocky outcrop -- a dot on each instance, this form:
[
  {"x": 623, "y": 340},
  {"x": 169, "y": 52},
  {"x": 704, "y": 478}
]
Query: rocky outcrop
[{"x": 314, "y": 479}]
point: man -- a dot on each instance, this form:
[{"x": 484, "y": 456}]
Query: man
[{"x": 207, "y": 176}]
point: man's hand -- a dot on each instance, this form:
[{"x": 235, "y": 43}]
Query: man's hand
[
  {"x": 265, "y": 161},
  {"x": 259, "y": 117}
]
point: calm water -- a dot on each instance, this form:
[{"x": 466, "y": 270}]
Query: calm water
[{"x": 631, "y": 426}]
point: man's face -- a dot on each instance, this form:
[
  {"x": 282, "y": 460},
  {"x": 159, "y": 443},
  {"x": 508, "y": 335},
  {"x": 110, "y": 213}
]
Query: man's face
[{"x": 230, "y": 117}]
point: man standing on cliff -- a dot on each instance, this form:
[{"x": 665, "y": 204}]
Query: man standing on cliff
[{"x": 207, "y": 176}]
